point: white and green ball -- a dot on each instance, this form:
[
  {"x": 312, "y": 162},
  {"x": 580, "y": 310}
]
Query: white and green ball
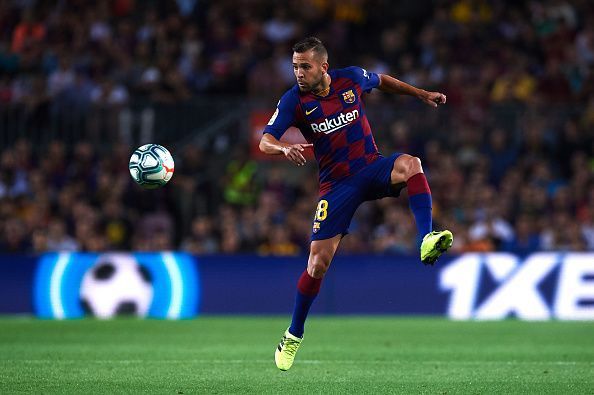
[{"x": 151, "y": 166}]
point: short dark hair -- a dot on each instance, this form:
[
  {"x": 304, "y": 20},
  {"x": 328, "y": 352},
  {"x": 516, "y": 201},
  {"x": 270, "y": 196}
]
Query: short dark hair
[{"x": 312, "y": 43}]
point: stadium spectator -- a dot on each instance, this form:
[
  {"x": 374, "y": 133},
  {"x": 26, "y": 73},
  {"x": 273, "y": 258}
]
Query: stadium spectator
[
  {"x": 27, "y": 32},
  {"x": 510, "y": 160},
  {"x": 239, "y": 183},
  {"x": 278, "y": 243},
  {"x": 202, "y": 237},
  {"x": 58, "y": 239}
]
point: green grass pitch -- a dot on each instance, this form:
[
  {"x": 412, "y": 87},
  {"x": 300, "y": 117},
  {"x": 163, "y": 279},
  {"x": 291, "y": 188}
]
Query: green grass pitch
[{"x": 339, "y": 355}]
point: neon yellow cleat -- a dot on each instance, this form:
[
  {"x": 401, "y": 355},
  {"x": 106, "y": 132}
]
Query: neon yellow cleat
[
  {"x": 434, "y": 244},
  {"x": 286, "y": 350}
]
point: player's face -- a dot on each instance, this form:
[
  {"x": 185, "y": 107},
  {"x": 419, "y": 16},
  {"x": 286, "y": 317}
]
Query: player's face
[{"x": 309, "y": 70}]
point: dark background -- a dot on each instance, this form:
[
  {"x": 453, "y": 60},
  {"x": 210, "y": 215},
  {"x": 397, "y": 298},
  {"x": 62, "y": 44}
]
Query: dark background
[{"x": 510, "y": 158}]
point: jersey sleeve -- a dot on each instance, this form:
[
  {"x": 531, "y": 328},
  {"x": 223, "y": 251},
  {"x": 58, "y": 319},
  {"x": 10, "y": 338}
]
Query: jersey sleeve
[
  {"x": 365, "y": 79},
  {"x": 284, "y": 116}
]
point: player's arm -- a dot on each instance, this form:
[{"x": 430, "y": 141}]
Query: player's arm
[
  {"x": 281, "y": 120},
  {"x": 390, "y": 84},
  {"x": 272, "y": 146}
]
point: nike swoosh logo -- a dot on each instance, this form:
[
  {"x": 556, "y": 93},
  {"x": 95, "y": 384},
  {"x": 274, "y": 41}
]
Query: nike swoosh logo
[{"x": 310, "y": 111}]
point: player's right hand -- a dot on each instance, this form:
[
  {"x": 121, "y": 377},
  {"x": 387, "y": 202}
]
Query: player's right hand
[
  {"x": 294, "y": 153},
  {"x": 434, "y": 99}
]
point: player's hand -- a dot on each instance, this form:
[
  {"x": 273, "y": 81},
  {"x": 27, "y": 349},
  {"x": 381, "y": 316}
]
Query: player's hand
[
  {"x": 434, "y": 99},
  {"x": 294, "y": 153}
]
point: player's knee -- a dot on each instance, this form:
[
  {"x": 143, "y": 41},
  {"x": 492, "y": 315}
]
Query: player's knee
[
  {"x": 319, "y": 263},
  {"x": 415, "y": 166},
  {"x": 317, "y": 269},
  {"x": 409, "y": 165}
]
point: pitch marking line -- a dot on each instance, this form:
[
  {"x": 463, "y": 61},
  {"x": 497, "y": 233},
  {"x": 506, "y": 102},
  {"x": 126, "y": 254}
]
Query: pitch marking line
[{"x": 305, "y": 361}]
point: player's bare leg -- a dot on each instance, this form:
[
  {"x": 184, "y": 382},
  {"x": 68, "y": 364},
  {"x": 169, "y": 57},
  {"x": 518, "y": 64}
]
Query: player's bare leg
[
  {"x": 320, "y": 256},
  {"x": 407, "y": 169},
  {"x": 321, "y": 253}
]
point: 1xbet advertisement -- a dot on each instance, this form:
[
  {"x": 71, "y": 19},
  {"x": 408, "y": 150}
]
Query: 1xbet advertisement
[{"x": 472, "y": 286}]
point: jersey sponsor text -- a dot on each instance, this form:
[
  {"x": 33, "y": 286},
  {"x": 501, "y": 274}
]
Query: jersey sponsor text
[{"x": 331, "y": 125}]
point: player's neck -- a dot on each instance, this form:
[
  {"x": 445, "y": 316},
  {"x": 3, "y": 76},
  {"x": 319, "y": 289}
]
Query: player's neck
[{"x": 324, "y": 88}]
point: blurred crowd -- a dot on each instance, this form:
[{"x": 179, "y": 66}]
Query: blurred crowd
[{"x": 510, "y": 158}]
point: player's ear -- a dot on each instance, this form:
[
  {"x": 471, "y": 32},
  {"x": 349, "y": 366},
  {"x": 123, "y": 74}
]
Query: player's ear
[{"x": 325, "y": 67}]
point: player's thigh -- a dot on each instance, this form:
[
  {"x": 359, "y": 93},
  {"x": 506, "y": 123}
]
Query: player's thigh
[
  {"x": 335, "y": 211},
  {"x": 378, "y": 179}
]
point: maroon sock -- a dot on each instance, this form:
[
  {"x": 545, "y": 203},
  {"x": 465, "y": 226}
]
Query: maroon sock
[
  {"x": 419, "y": 197},
  {"x": 307, "y": 290},
  {"x": 308, "y": 285}
]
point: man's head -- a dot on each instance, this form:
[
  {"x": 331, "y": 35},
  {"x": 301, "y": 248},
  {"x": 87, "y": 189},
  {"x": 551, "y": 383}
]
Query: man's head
[{"x": 310, "y": 63}]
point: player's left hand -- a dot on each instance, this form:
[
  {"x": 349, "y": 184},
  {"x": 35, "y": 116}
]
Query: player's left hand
[{"x": 434, "y": 99}]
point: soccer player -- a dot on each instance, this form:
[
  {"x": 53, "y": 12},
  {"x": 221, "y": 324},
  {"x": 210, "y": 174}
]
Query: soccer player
[{"x": 325, "y": 105}]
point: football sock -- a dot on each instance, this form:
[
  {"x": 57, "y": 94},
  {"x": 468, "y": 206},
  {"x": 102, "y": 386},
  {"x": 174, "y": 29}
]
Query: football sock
[
  {"x": 419, "y": 198},
  {"x": 307, "y": 290}
]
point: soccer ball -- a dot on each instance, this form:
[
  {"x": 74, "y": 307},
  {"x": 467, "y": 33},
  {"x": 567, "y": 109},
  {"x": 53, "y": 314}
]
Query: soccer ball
[
  {"x": 151, "y": 166},
  {"x": 116, "y": 285}
]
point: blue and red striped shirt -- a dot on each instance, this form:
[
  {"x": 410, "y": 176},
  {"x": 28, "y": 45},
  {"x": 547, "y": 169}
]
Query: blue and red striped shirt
[{"x": 336, "y": 124}]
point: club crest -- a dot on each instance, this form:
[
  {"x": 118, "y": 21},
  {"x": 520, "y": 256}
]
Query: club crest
[
  {"x": 316, "y": 227},
  {"x": 348, "y": 96}
]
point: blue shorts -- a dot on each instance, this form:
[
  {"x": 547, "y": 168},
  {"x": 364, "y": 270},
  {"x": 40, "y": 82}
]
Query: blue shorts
[{"x": 336, "y": 208}]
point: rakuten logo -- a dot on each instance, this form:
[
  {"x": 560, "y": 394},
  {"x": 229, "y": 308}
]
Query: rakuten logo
[{"x": 332, "y": 125}]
